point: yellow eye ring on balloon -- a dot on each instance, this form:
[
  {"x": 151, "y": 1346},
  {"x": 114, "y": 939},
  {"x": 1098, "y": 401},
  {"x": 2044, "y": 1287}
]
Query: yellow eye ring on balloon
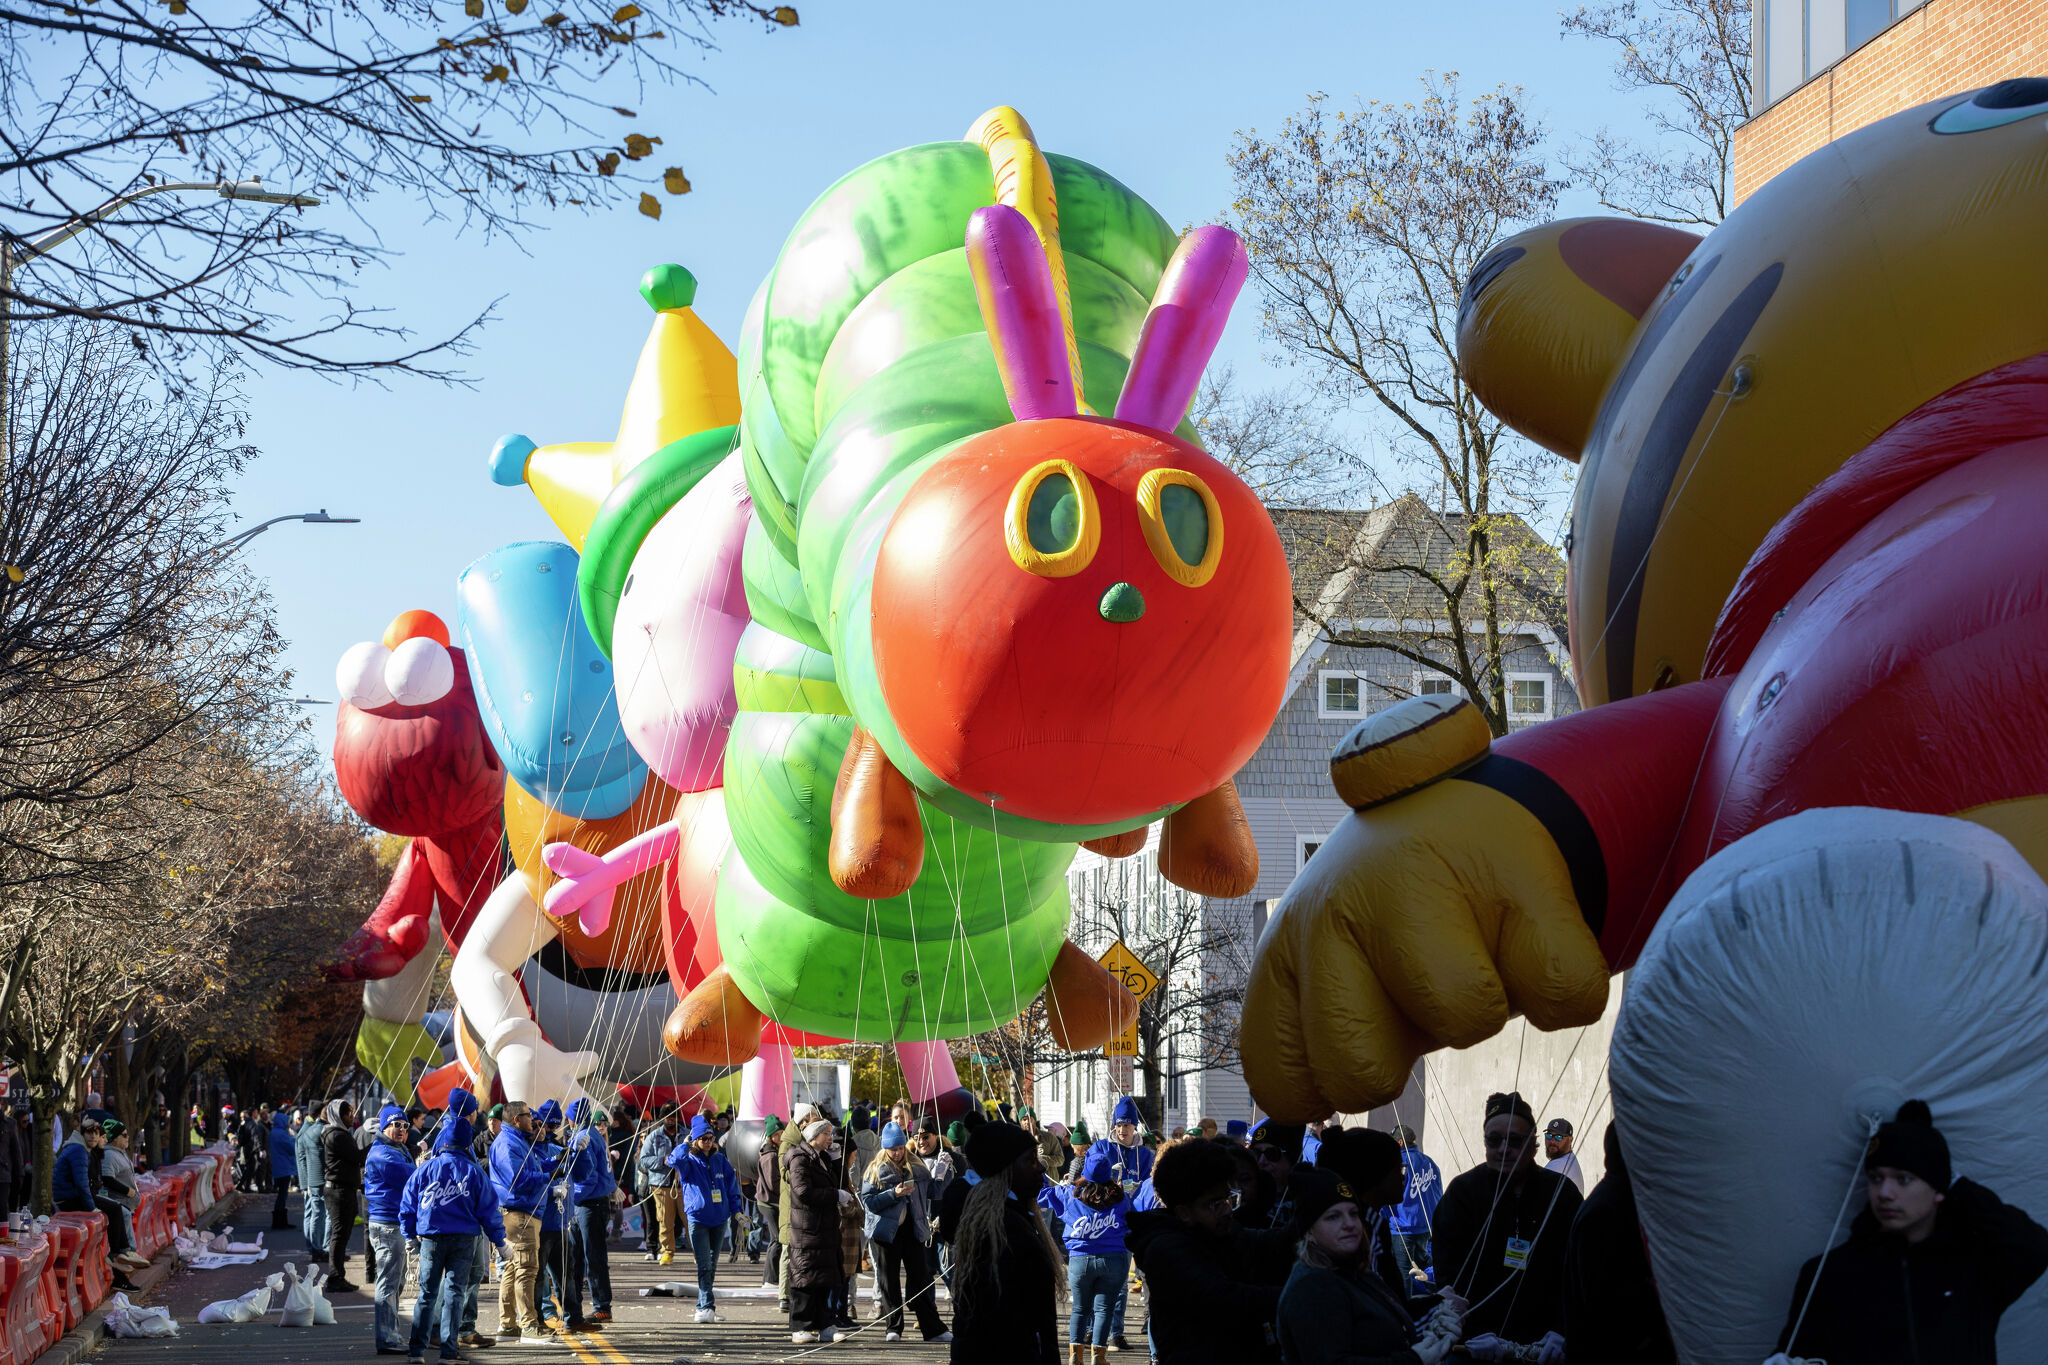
[
  {"x": 1183, "y": 524},
  {"x": 1052, "y": 526}
]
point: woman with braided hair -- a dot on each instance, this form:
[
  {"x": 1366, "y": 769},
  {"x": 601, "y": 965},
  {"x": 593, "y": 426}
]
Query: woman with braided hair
[{"x": 1006, "y": 1275}]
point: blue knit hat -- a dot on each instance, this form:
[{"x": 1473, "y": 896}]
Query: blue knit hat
[
  {"x": 894, "y": 1136},
  {"x": 1100, "y": 1170},
  {"x": 461, "y": 1104},
  {"x": 700, "y": 1127},
  {"x": 1236, "y": 1128},
  {"x": 454, "y": 1133},
  {"x": 1127, "y": 1112},
  {"x": 387, "y": 1114},
  {"x": 550, "y": 1112}
]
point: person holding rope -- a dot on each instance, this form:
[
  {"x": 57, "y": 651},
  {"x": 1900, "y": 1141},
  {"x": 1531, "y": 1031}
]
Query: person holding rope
[
  {"x": 591, "y": 1186},
  {"x": 1006, "y": 1276},
  {"x": 897, "y": 1196},
  {"x": 1501, "y": 1230},
  {"x": 1929, "y": 1268},
  {"x": 1336, "y": 1309},
  {"x": 710, "y": 1190},
  {"x": 1612, "y": 1315},
  {"x": 1093, "y": 1214}
]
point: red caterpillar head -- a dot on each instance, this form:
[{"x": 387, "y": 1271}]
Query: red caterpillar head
[{"x": 1081, "y": 620}]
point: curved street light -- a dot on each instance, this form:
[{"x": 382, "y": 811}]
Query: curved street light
[{"x": 319, "y": 518}]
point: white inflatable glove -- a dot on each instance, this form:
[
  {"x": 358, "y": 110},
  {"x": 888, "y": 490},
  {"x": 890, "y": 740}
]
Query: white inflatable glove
[
  {"x": 534, "y": 1069},
  {"x": 1489, "y": 1347},
  {"x": 1550, "y": 1350}
]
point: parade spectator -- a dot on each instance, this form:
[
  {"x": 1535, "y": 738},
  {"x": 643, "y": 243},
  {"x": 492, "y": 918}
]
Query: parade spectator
[
  {"x": 1508, "y": 1218},
  {"x": 1274, "y": 1146},
  {"x": 252, "y": 1148},
  {"x": 1208, "y": 1127},
  {"x": 1558, "y": 1157},
  {"x": 710, "y": 1191},
  {"x": 657, "y": 1144},
  {"x": 944, "y": 1165},
  {"x": 558, "y": 1288},
  {"x": 768, "y": 1199},
  {"x": 1052, "y": 1153},
  {"x": 852, "y": 1219},
  {"x": 1334, "y": 1309},
  {"x": 1005, "y": 1266},
  {"x": 814, "y": 1262},
  {"x": 1611, "y": 1312},
  {"x": 284, "y": 1165},
  {"x": 896, "y": 1194},
  {"x": 1416, "y": 1213},
  {"x": 1094, "y": 1214},
  {"x": 1930, "y": 1265},
  {"x": 1214, "y": 1286},
  {"x": 591, "y": 1187},
  {"x": 312, "y": 1182},
  {"x": 341, "y": 1182},
  {"x": 1369, "y": 1162},
  {"x": 521, "y": 1179},
  {"x": 116, "y": 1196},
  {"x": 24, "y": 1126},
  {"x": 386, "y": 1170},
  {"x": 447, "y": 1204},
  {"x": 1078, "y": 1143},
  {"x": 71, "y": 1177}
]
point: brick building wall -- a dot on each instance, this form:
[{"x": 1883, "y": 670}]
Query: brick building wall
[{"x": 1944, "y": 47}]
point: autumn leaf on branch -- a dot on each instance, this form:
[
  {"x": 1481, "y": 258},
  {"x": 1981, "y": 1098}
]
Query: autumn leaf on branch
[
  {"x": 649, "y": 205},
  {"x": 674, "y": 181}
]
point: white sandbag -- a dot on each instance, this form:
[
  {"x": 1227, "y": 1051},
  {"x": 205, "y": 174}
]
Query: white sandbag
[
  {"x": 298, "y": 1300},
  {"x": 219, "y": 1242},
  {"x": 1804, "y": 980},
  {"x": 124, "y": 1319},
  {"x": 248, "y": 1308},
  {"x": 245, "y": 1247},
  {"x": 323, "y": 1311}
]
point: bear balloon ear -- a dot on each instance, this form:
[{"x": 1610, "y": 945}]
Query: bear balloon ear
[
  {"x": 1021, "y": 310},
  {"x": 1547, "y": 316},
  {"x": 1182, "y": 327}
]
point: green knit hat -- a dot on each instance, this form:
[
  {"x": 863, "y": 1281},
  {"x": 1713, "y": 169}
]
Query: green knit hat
[{"x": 1081, "y": 1138}]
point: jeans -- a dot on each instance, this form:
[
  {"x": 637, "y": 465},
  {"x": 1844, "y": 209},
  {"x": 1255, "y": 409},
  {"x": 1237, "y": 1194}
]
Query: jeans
[
  {"x": 313, "y": 1222},
  {"x": 341, "y": 1223},
  {"x": 390, "y": 1247},
  {"x": 1411, "y": 1249},
  {"x": 444, "y": 1270},
  {"x": 898, "y": 1259},
  {"x": 1096, "y": 1283},
  {"x": 479, "y": 1271},
  {"x": 705, "y": 1241},
  {"x": 593, "y": 1223},
  {"x": 1118, "y": 1299}
]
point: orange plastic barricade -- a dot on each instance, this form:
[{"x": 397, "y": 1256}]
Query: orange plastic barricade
[
  {"x": 10, "y": 1272},
  {"x": 67, "y": 1249},
  {"x": 21, "y": 1269},
  {"x": 86, "y": 1276},
  {"x": 50, "y": 1297}
]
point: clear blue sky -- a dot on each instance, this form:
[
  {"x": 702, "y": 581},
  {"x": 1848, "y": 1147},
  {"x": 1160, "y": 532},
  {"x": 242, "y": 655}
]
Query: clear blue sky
[{"x": 1153, "y": 93}]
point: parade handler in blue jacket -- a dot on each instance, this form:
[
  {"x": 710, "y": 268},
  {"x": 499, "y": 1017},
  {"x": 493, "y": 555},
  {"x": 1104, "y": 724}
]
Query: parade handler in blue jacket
[
  {"x": 386, "y": 1172},
  {"x": 521, "y": 1177},
  {"x": 446, "y": 1204},
  {"x": 1130, "y": 1166},
  {"x": 711, "y": 1190},
  {"x": 1094, "y": 1212},
  {"x": 591, "y": 1184}
]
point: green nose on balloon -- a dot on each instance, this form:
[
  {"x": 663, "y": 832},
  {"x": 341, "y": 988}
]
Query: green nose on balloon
[{"x": 1123, "y": 602}]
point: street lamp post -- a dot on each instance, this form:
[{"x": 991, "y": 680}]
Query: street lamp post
[
  {"x": 251, "y": 190},
  {"x": 241, "y": 538}
]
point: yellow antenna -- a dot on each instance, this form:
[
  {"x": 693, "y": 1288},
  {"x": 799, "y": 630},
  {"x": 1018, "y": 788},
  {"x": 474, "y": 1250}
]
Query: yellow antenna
[{"x": 1024, "y": 182}]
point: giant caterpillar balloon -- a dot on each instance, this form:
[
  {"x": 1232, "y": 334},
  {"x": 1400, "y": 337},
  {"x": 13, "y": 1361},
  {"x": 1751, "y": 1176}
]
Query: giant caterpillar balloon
[{"x": 986, "y": 622}]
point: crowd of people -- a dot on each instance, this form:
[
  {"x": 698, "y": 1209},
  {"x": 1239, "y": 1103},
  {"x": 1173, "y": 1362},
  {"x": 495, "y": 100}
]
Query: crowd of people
[{"x": 1280, "y": 1244}]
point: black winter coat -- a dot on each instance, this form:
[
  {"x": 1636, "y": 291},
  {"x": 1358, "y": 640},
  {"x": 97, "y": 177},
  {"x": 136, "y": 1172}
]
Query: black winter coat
[
  {"x": 1332, "y": 1319},
  {"x": 1213, "y": 1298},
  {"x": 341, "y": 1160},
  {"x": 1882, "y": 1301},
  {"x": 1612, "y": 1315},
  {"x": 1022, "y": 1326},
  {"x": 813, "y": 1232},
  {"x": 1474, "y": 1222}
]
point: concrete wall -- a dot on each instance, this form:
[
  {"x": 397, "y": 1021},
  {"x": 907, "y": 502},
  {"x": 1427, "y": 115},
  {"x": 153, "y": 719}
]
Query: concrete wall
[{"x": 1944, "y": 47}]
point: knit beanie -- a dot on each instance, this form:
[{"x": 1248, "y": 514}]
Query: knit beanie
[
  {"x": 956, "y": 1132},
  {"x": 1911, "y": 1142},
  {"x": 1316, "y": 1190},
  {"x": 1360, "y": 1156}
]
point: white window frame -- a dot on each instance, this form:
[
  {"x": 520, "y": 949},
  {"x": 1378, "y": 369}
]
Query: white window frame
[
  {"x": 1415, "y": 687},
  {"x": 1549, "y": 698},
  {"x": 1323, "y": 711},
  {"x": 1301, "y": 843}
]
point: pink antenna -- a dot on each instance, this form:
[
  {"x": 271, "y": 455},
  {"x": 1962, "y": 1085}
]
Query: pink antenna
[
  {"x": 1182, "y": 328},
  {"x": 1022, "y": 313}
]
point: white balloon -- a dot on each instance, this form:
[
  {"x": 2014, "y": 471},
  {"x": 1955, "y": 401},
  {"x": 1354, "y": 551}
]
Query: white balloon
[
  {"x": 359, "y": 677},
  {"x": 420, "y": 670}
]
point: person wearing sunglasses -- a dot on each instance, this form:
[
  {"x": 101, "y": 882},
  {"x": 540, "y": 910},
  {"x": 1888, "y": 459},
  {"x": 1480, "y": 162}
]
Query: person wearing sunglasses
[
  {"x": 1215, "y": 1286},
  {"x": 1501, "y": 1230}
]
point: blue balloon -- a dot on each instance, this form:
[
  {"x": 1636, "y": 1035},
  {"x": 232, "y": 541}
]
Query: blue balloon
[{"x": 543, "y": 686}]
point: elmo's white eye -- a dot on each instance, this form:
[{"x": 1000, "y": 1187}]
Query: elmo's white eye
[
  {"x": 420, "y": 670},
  {"x": 359, "y": 677}
]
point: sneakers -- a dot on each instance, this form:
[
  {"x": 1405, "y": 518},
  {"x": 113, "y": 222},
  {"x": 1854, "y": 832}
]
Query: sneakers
[
  {"x": 706, "y": 1315},
  {"x": 667, "y": 1258},
  {"x": 476, "y": 1341},
  {"x": 539, "y": 1339},
  {"x": 601, "y": 1315},
  {"x": 940, "y": 1340},
  {"x": 782, "y": 1307},
  {"x": 1117, "y": 1343},
  {"x": 337, "y": 1285},
  {"x": 649, "y": 1257},
  {"x": 802, "y": 1338},
  {"x": 892, "y": 1336}
]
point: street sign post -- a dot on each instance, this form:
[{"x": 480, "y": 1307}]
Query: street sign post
[{"x": 1139, "y": 980}]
